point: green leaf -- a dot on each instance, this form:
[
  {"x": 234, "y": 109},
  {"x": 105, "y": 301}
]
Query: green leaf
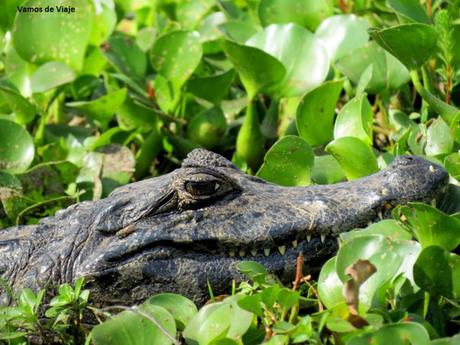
[
  {"x": 308, "y": 13},
  {"x": 175, "y": 56},
  {"x": 180, "y": 307},
  {"x": 288, "y": 298},
  {"x": 452, "y": 165},
  {"x": 342, "y": 34},
  {"x": 355, "y": 120},
  {"x": 218, "y": 319},
  {"x": 431, "y": 226},
  {"x": 412, "y": 44},
  {"x": 254, "y": 271},
  {"x": 389, "y": 228},
  {"x": 410, "y": 10},
  {"x": 51, "y": 75},
  {"x": 326, "y": 170},
  {"x": 42, "y": 37},
  {"x": 329, "y": 284},
  {"x": 315, "y": 113},
  {"x": 354, "y": 156},
  {"x": 132, "y": 328},
  {"x": 387, "y": 72},
  {"x": 438, "y": 272},
  {"x": 212, "y": 88},
  {"x": 208, "y": 128},
  {"x": 17, "y": 150},
  {"x": 257, "y": 69},
  {"x": 395, "y": 334},
  {"x": 125, "y": 55},
  {"x": 104, "y": 22},
  {"x": 190, "y": 12},
  {"x": 391, "y": 257},
  {"x": 24, "y": 111},
  {"x": 302, "y": 54},
  {"x": 288, "y": 162},
  {"x": 103, "y": 108},
  {"x": 439, "y": 139}
]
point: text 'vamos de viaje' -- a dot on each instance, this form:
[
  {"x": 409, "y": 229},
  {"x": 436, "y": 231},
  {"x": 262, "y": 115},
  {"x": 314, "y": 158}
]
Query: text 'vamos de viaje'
[{"x": 47, "y": 9}]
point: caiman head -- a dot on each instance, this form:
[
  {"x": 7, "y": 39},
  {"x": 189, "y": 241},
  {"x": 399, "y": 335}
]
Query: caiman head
[{"x": 191, "y": 227}]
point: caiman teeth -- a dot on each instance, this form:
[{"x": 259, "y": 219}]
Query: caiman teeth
[
  {"x": 253, "y": 252},
  {"x": 308, "y": 238},
  {"x": 282, "y": 249},
  {"x": 323, "y": 238},
  {"x": 231, "y": 253},
  {"x": 242, "y": 253},
  {"x": 267, "y": 251},
  {"x": 433, "y": 202},
  {"x": 294, "y": 243},
  {"x": 431, "y": 168},
  {"x": 380, "y": 215}
]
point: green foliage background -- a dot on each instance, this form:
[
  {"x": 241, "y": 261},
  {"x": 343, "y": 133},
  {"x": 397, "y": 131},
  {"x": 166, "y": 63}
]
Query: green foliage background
[{"x": 297, "y": 92}]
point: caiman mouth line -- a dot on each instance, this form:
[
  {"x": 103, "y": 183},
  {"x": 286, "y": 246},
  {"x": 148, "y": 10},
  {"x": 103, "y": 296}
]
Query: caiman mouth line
[{"x": 276, "y": 247}]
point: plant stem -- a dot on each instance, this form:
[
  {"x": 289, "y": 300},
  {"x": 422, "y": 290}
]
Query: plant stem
[{"x": 449, "y": 113}]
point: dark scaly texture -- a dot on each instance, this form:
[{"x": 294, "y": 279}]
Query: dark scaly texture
[{"x": 178, "y": 231}]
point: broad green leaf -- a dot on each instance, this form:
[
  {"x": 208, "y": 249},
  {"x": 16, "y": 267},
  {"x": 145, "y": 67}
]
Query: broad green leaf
[
  {"x": 439, "y": 138},
  {"x": 257, "y": 69},
  {"x": 42, "y": 37},
  {"x": 218, "y": 319},
  {"x": 190, "y": 12},
  {"x": 8, "y": 13},
  {"x": 145, "y": 38},
  {"x": 355, "y": 120},
  {"x": 17, "y": 149},
  {"x": 396, "y": 334},
  {"x": 209, "y": 28},
  {"x": 343, "y": 33},
  {"x": 18, "y": 71},
  {"x": 410, "y": 10},
  {"x": 208, "y": 128},
  {"x": 390, "y": 257},
  {"x": 431, "y": 226},
  {"x": 438, "y": 272},
  {"x": 254, "y": 271},
  {"x": 103, "y": 108},
  {"x": 326, "y": 170},
  {"x": 212, "y": 88},
  {"x": 388, "y": 227},
  {"x": 315, "y": 113},
  {"x": 387, "y": 72},
  {"x": 175, "y": 56},
  {"x": 354, "y": 156},
  {"x": 308, "y": 13},
  {"x": 180, "y": 307},
  {"x": 51, "y": 75},
  {"x": 132, "y": 115},
  {"x": 125, "y": 55},
  {"x": 412, "y": 43},
  {"x": 132, "y": 328},
  {"x": 288, "y": 162},
  {"x": 329, "y": 284},
  {"x": 238, "y": 31},
  {"x": 302, "y": 54},
  {"x": 288, "y": 298},
  {"x": 24, "y": 111},
  {"x": 104, "y": 21},
  {"x": 452, "y": 165}
]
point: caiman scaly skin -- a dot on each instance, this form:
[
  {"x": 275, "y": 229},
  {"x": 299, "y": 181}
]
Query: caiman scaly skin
[{"x": 178, "y": 231}]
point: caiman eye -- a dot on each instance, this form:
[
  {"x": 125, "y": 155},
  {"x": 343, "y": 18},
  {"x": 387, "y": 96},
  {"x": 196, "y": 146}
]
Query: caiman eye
[{"x": 202, "y": 188}]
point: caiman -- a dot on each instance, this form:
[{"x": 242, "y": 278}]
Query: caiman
[{"x": 179, "y": 231}]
